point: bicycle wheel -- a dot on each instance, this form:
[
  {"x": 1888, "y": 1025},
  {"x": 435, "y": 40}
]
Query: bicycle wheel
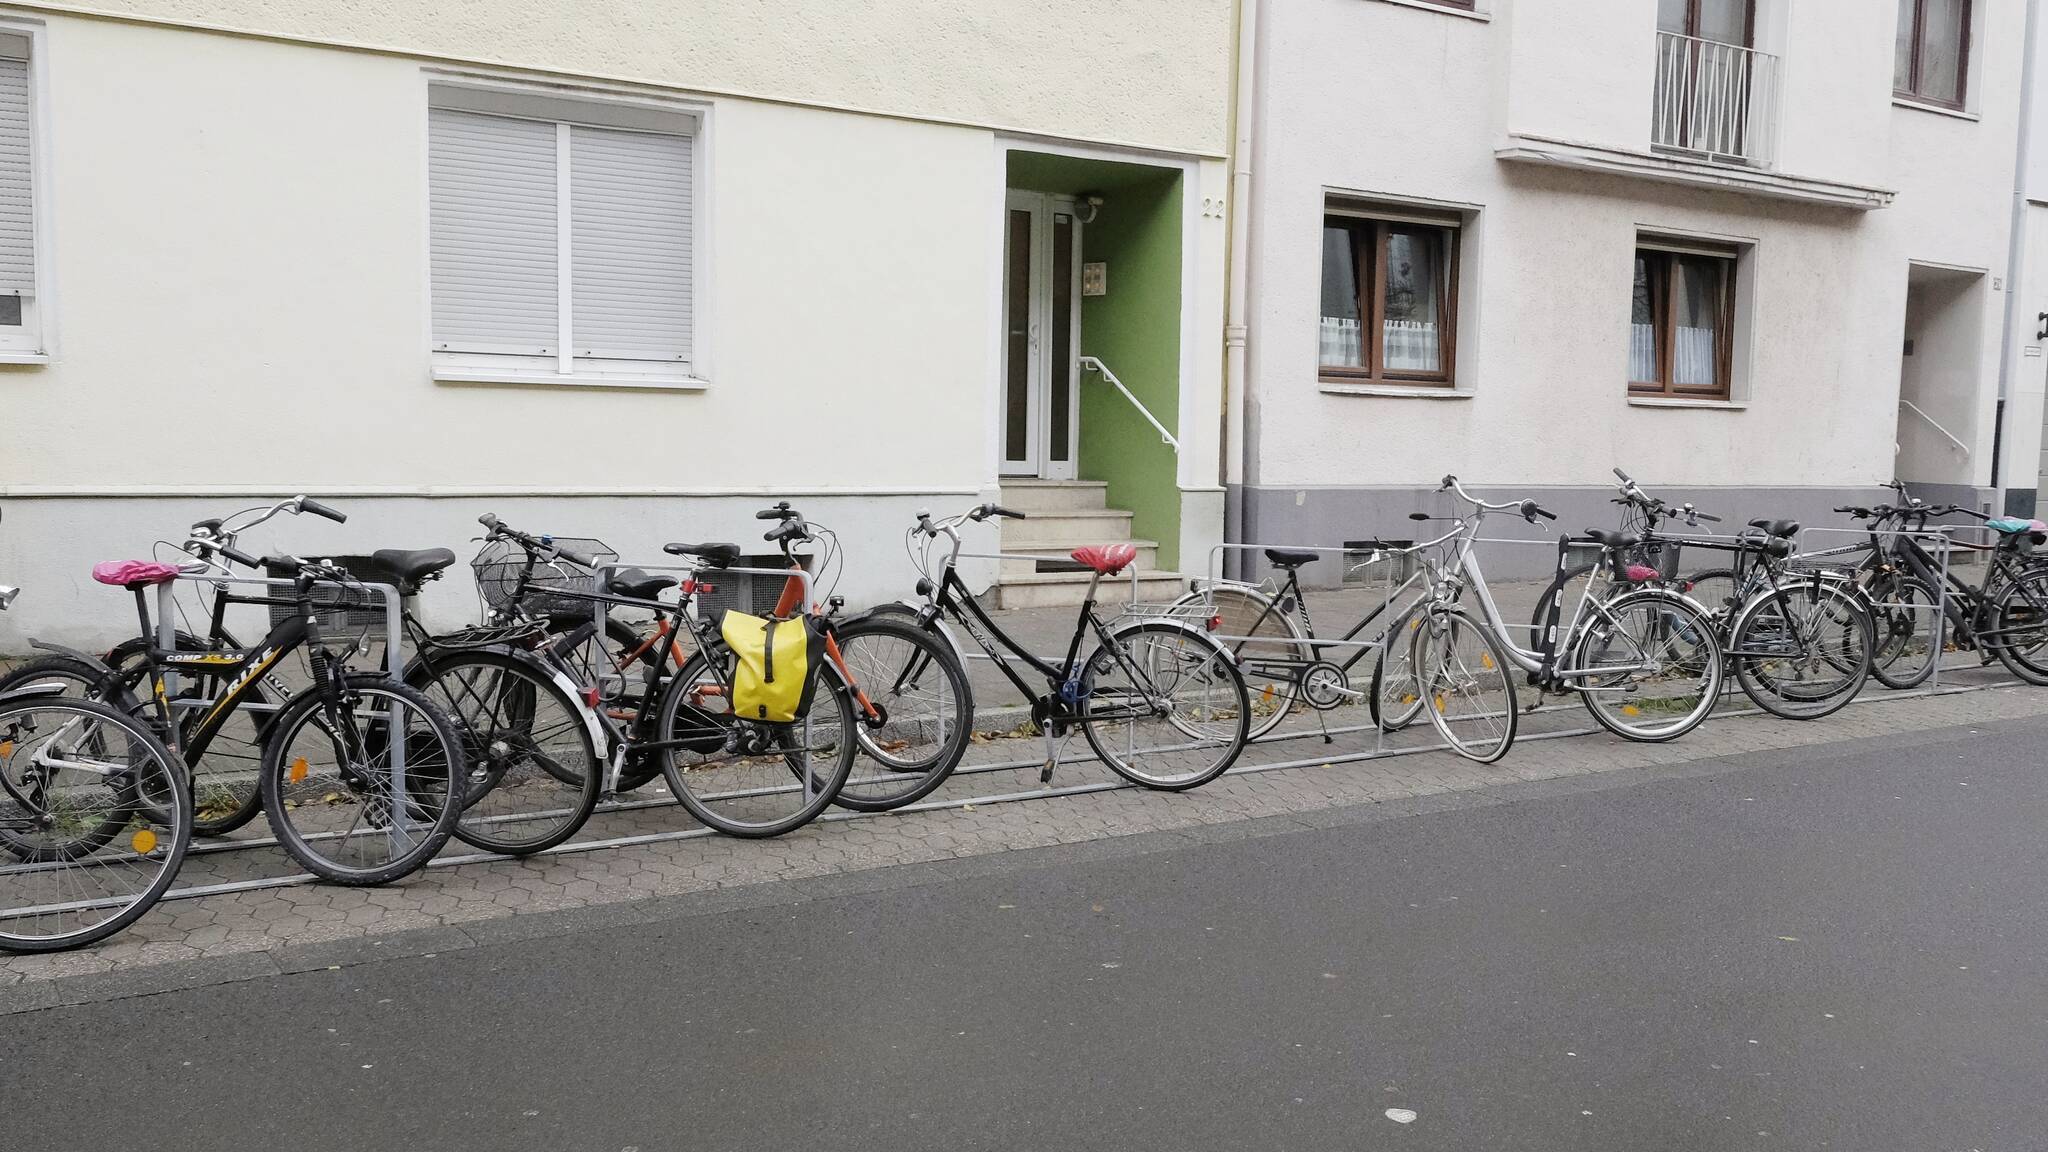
[
  {"x": 1268, "y": 643},
  {"x": 746, "y": 777},
  {"x": 1802, "y": 649},
  {"x": 1164, "y": 706},
  {"x": 1909, "y": 627},
  {"x": 924, "y": 711},
  {"x": 2021, "y": 619},
  {"x": 533, "y": 771},
  {"x": 1653, "y": 668},
  {"x": 334, "y": 791},
  {"x": 1396, "y": 696},
  {"x": 88, "y": 858},
  {"x": 1466, "y": 686}
]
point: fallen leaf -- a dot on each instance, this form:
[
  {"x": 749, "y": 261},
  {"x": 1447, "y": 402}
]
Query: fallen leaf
[{"x": 1401, "y": 1115}]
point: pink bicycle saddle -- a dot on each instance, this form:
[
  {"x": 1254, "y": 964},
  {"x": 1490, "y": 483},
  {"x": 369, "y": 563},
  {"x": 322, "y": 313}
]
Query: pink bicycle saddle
[{"x": 134, "y": 573}]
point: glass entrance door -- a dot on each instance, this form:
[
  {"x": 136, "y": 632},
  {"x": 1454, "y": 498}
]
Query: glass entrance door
[{"x": 1041, "y": 335}]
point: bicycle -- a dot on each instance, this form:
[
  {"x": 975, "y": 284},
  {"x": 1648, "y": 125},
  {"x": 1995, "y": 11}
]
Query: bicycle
[
  {"x": 738, "y": 775},
  {"x": 357, "y": 772},
  {"x": 1157, "y": 699},
  {"x": 1632, "y": 655},
  {"x": 94, "y": 812}
]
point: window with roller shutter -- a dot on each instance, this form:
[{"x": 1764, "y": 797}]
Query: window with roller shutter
[{"x": 20, "y": 319}]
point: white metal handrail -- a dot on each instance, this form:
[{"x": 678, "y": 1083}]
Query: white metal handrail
[
  {"x": 1091, "y": 364},
  {"x": 1909, "y": 406},
  {"x": 1719, "y": 100}
]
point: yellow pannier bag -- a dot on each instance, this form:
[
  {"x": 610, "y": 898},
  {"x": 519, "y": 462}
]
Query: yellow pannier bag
[{"x": 774, "y": 666}]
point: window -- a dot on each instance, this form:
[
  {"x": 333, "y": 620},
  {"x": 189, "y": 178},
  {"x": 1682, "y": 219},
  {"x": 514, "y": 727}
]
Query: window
[
  {"x": 1390, "y": 299},
  {"x": 1682, "y": 327},
  {"x": 1931, "y": 60},
  {"x": 563, "y": 238},
  {"x": 20, "y": 321},
  {"x": 1722, "y": 21}
]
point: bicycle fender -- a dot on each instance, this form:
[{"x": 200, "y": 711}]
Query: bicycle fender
[
  {"x": 98, "y": 665},
  {"x": 915, "y": 610},
  {"x": 1194, "y": 633},
  {"x": 32, "y": 692}
]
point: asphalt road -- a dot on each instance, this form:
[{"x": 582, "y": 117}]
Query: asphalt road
[{"x": 1841, "y": 948}]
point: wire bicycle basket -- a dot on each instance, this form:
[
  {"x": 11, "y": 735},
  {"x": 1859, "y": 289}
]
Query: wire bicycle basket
[
  {"x": 339, "y": 607},
  {"x": 499, "y": 565}
]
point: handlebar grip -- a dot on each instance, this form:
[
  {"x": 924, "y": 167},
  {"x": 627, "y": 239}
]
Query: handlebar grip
[
  {"x": 1419, "y": 516},
  {"x": 1624, "y": 477},
  {"x": 1707, "y": 518},
  {"x": 788, "y": 530},
  {"x": 489, "y": 520},
  {"x": 577, "y": 558},
  {"x": 1005, "y": 513},
  {"x": 238, "y": 556},
  {"x": 308, "y": 504},
  {"x": 1532, "y": 507},
  {"x": 781, "y": 511},
  {"x": 1449, "y": 482}
]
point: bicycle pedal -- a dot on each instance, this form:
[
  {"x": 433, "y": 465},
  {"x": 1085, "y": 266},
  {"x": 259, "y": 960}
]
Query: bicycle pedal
[{"x": 1045, "y": 773}]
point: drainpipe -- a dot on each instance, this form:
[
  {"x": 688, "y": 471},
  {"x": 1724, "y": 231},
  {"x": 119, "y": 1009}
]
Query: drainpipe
[
  {"x": 2016, "y": 258},
  {"x": 1235, "y": 378}
]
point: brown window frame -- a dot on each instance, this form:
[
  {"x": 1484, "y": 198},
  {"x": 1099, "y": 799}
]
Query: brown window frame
[
  {"x": 1663, "y": 307},
  {"x": 1693, "y": 20},
  {"x": 1371, "y": 295},
  {"x": 1912, "y": 89}
]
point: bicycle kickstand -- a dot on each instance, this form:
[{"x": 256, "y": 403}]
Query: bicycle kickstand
[{"x": 1052, "y": 753}]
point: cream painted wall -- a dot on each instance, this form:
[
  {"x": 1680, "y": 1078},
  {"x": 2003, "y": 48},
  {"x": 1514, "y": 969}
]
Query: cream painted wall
[
  {"x": 239, "y": 238},
  {"x": 1551, "y": 295},
  {"x": 1151, "y": 72}
]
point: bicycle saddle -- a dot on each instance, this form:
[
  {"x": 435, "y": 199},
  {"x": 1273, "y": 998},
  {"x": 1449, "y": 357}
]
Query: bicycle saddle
[
  {"x": 718, "y": 555},
  {"x": 412, "y": 565},
  {"x": 1777, "y": 527},
  {"x": 132, "y": 574},
  {"x": 640, "y": 585},
  {"x": 1107, "y": 559},
  {"x": 1291, "y": 557},
  {"x": 1608, "y": 539}
]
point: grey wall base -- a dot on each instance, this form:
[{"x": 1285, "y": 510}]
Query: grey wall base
[{"x": 1332, "y": 517}]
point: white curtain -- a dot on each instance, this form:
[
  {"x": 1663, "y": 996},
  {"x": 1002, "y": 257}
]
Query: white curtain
[
  {"x": 1341, "y": 343},
  {"x": 1412, "y": 346},
  {"x": 1692, "y": 356},
  {"x": 1642, "y": 353}
]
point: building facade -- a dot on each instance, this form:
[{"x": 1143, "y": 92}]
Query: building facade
[
  {"x": 1753, "y": 251},
  {"x": 604, "y": 268}
]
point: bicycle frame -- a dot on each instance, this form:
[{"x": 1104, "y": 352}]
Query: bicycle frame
[{"x": 1290, "y": 593}]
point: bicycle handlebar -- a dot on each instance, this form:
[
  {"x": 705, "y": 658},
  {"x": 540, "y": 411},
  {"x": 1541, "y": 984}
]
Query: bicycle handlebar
[
  {"x": 308, "y": 504},
  {"x": 543, "y": 545},
  {"x": 781, "y": 511}
]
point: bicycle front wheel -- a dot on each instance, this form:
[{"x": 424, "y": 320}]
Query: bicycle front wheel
[
  {"x": 747, "y": 777},
  {"x": 1466, "y": 685},
  {"x": 1802, "y": 649},
  {"x": 362, "y": 783},
  {"x": 1396, "y": 695},
  {"x": 1268, "y": 642},
  {"x": 1647, "y": 666},
  {"x": 83, "y": 858},
  {"x": 2021, "y": 619},
  {"x": 1909, "y": 627},
  {"x": 913, "y": 707},
  {"x": 533, "y": 771},
  {"x": 1164, "y": 706}
]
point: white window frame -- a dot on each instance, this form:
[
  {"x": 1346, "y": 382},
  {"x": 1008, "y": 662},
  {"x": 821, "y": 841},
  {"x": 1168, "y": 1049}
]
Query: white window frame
[
  {"x": 32, "y": 342},
  {"x": 593, "y": 107}
]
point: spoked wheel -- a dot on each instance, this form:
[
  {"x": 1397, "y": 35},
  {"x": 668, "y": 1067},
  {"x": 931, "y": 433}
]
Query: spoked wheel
[
  {"x": 533, "y": 771},
  {"x": 1396, "y": 694},
  {"x": 1653, "y": 666},
  {"x": 1802, "y": 650},
  {"x": 1466, "y": 684},
  {"x": 1271, "y": 649},
  {"x": 1909, "y": 628},
  {"x": 2021, "y": 619},
  {"x": 1164, "y": 706},
  {"x": 747, "y": 777},
  {"x": 80, "y": 858},
  {"x": 343, "y": 803},
  {"x": 914, "y": 707}
]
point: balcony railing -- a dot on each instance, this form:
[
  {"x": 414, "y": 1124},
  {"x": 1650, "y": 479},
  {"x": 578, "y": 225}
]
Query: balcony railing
[{"x": 1715, "y": 100}]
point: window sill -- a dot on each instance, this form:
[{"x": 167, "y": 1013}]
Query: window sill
[
  {"x": 1412, "y": 391},
  {"x": 1686, "y": 402},
  {"x": 1426, "y": 6},
  {"x": 7, "y": 357},
  {"x": 1937, "y": 109},
  {"x": 580, "y": 380}
]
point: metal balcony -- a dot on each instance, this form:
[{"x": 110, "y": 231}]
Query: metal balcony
[{"x": 1715, "y": 101}]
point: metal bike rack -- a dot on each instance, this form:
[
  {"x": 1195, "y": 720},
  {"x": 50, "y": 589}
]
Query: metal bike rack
[{"x": 1938, "y": 541}]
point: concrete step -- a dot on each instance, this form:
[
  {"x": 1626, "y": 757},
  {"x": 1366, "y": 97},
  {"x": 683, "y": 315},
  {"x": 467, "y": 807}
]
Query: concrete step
[
  {"x": 1059, "y": 589},
  {"x": 1148, "y": 555},
  {"x": 1044, "y": 529},
  {"x": 1034, "y": 496}
]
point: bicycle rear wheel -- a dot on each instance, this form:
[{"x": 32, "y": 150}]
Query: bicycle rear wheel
[
  {"x": 533, "y": 771},
  {"x": 1802, "y": 649},
  {"x": 1269, "y": 644},
  {"x": 335, "y": 792},
  {"x": 1652, "y": 666},
  {"x": 745, "y": 777},
  {"x": 1466, "y": 685},
  {"x": 82, "y": 858},
  {"x": 1396, "y": 694},
  {"x": 1164, "y": 706},
  {"x": 2021, "y": 618},
  {"x": 924, "y": 710},
  {"x": 1909, "y": 627}
]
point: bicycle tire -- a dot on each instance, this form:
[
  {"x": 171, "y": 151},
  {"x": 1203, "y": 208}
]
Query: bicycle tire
[
  {"x": 1754, "y": 652},
  {"x": 1271, "y": 649},
  {"x": 1443, "y": 629},
  {"x": 30, "y": 893},
  {"x": 1698, "y": 659},
  {"x": 1396, "y": 699},
  {"x": 533, "y": 772},
  {"x": 894, "y": 682},
  {"x": 435, "y": 807},
  {"x": 1897, "y": 621},
  {"x": 2029, "y": 618},
  {"x": 699, "y": 728},
  {"x": 1189, "y": 659}
]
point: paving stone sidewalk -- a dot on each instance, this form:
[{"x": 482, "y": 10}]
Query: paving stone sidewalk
[{"x": 980, "y": 812}]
